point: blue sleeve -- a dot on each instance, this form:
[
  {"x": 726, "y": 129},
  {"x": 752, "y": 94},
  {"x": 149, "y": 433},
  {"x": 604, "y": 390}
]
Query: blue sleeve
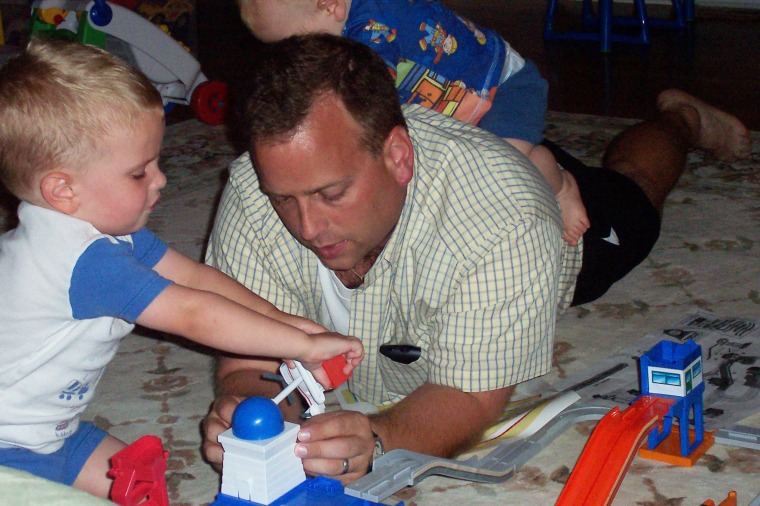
[
  {"x": 148, "y": 248},
  {"x": 116, "y": 278}
]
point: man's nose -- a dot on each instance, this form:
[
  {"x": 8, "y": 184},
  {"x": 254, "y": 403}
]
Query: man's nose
[{"x": 311, "y": 221}]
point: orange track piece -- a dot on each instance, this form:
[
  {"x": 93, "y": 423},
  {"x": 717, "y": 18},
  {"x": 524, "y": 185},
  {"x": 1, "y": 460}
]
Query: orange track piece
[
  {"x": 669, "y": 450},
  {"x": 609, "y": 451},
  {"x": 730, "y": 500}
]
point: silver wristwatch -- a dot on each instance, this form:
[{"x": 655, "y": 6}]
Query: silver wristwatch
[{"x": 378, "y": 452}]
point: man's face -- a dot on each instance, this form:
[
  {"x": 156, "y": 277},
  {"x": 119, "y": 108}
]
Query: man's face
[{"x": 333, "y": 195}]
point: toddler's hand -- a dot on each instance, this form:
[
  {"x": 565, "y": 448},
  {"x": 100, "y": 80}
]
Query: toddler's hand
[{"x": 327, "y": 345}]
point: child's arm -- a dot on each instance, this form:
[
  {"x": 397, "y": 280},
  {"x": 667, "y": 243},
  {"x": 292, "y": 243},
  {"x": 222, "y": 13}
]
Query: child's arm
[
  {"x": 186, "y": 272},
  {"x": 210, "y": 308},
  {"x": 213, "y": 320}
]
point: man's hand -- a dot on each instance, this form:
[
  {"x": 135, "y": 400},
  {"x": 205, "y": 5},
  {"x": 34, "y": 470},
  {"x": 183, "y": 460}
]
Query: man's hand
[
  {"x": 218, "y": 419},
  {"x": 326, "y": 441},
  {"x": 238, "y": 379}
]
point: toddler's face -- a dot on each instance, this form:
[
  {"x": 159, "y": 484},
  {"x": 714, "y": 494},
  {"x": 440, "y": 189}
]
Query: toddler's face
[
  {"x": 118, "y": 188},
  {"x": 273, "y": 20}
]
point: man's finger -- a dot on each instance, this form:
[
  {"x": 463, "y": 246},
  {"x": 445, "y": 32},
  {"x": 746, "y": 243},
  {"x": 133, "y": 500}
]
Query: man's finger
[{"x": 213, "y": 454}]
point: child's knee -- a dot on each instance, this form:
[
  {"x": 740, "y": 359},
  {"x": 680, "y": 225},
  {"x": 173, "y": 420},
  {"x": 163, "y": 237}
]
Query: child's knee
[
  {"x": 524, "y": 147},
  {"x": 541, "y": 156}
]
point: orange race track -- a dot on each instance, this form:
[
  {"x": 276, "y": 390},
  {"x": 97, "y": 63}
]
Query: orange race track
[{"x": 608, "y": 453}]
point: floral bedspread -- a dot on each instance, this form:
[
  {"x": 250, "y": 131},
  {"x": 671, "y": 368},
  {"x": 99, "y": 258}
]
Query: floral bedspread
[{"x": 708, "y": 257}]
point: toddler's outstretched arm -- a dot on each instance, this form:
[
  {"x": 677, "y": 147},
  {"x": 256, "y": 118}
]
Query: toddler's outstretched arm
[{"x": 211, "y": 308}]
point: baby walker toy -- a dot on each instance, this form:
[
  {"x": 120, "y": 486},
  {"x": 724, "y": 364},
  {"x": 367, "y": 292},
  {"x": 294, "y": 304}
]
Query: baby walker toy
[{"x": 124, "y": 33}]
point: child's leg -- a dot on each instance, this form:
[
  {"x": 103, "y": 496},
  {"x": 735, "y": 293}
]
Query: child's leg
[
  {"x": 574, "y": 218},
  {"x": 81, "y": 462},
  {"x": 93, "y": 477}
]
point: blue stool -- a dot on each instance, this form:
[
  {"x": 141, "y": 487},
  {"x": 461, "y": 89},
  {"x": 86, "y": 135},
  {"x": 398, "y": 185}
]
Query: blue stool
[{"x": 684, "y": 12}]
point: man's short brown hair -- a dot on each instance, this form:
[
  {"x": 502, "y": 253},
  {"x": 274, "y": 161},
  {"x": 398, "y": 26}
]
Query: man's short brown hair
[{"x": 293, "y": 73}]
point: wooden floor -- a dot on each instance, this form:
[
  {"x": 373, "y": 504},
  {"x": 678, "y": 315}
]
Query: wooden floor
[{"x": 718, "y": 58}]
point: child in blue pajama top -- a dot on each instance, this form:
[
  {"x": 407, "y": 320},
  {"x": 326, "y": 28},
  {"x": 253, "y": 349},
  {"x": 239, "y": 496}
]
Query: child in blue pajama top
[
  {"x": 443, "y": 62},
  {"x": 80, "y": 136}
]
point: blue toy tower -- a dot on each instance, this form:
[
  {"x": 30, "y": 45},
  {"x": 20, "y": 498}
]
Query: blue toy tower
[
  {"x": 260, "y": 468},
  {"x": 674, "y": 370},
  {"x": 259, "y": 463}
]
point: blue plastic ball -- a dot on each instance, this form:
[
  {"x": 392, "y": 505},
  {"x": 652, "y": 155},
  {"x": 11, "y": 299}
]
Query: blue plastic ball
[
  {"x": 101, "y": 13},
  {"x": 257, "y": 418}
]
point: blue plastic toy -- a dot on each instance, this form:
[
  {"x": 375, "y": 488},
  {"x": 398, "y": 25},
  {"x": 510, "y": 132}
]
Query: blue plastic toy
[
  {"x": 319, "y": 491},
  {"x": 260, "y": 466},
  {"x": 675, "y": 370},
  {"x": 257, "y": 418}
]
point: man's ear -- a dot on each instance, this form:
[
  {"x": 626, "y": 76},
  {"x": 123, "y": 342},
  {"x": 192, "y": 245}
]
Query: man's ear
[
  {"x": 399, "y": 154},
  {"x": 57, "y": 191},
  {"x": 335, "y": 8}
]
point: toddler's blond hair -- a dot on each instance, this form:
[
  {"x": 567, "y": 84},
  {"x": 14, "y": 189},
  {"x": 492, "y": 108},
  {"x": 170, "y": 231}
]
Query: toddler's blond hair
[{"x": 57, "y": 100}]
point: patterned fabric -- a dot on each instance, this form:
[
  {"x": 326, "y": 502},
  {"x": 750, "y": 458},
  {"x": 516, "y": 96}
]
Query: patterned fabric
[
  {"x": 707, "y": 256},
  {"x": 440, "y": 60},
  {"x": 469, "y": 274}
]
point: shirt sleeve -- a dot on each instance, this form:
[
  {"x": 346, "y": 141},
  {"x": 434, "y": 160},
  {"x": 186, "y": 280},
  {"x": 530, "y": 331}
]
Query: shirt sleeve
[{"x": 115, "y": 277}]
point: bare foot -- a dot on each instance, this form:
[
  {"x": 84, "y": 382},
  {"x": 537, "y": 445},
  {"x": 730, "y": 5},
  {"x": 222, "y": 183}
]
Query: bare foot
[
  {"x": 574, "y": 218},
  {"x": 719, "y": 132}
]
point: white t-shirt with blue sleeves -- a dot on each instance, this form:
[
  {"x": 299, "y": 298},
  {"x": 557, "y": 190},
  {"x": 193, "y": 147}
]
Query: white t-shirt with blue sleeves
[{"x": 71, "y": 293}]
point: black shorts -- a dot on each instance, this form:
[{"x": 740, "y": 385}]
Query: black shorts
[{"x": 624, "y": 226}]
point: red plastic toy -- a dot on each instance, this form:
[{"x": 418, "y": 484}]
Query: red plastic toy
[
  {"x": 139, "y": 474},
  {"x": 334, "y": 369}
]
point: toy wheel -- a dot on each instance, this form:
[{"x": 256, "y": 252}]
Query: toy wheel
[{"x": 209, "y": 102}]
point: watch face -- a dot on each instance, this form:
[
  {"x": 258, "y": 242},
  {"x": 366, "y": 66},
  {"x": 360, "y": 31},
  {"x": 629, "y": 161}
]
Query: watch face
[{"x": 379, "y": 450}]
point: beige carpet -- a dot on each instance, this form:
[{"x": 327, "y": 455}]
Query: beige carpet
[{"x": 708, "y": 257}]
